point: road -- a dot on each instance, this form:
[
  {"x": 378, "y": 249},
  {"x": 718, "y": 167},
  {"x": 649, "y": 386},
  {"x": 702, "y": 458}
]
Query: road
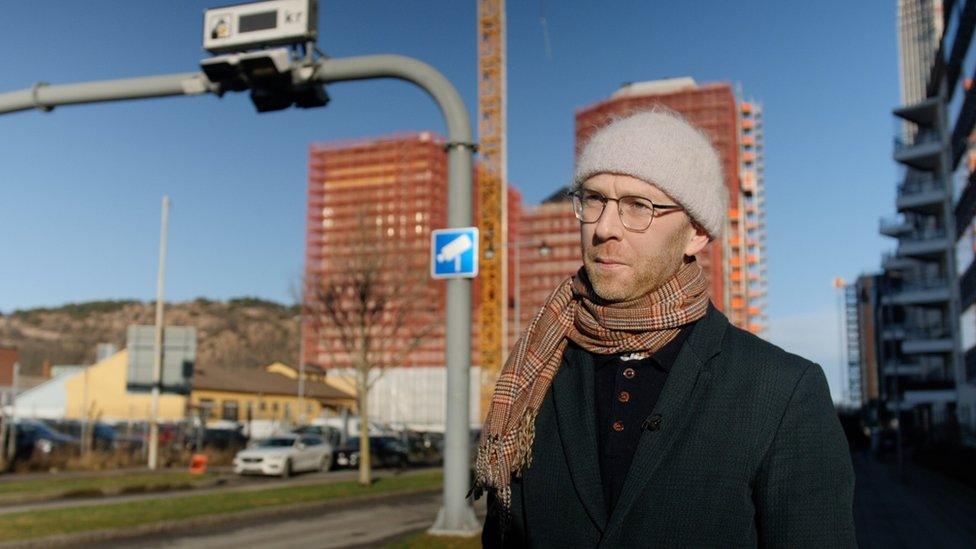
[
  {"x": 928, "y": 511},
  {"x": 362, "y": 524}
]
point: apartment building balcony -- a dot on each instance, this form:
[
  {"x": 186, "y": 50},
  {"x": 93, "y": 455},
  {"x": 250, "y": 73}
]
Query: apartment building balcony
[
  {"x": 925, "y": 113},
  {"x": 923, "y": 340},
  {"x": 894, "y": 226},
  {"x": 924, "y": 244},
  {"x": 901, "y": 369},
  {"x": 891, "y": 261},
  {"x": 928, "y": 392},
  {"x": 922, "y": 292},
  {"x": 920, "y": 151},
  {"x": 921, "y": 195},
  {"x": 893, "y": 332}
]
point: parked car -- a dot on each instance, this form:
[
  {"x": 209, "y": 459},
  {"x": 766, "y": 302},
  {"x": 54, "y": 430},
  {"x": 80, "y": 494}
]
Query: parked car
[
  {"x": 422, "y": 448},
  {"x": 215, "y": 439},
  {"x": 36, "y": 439},
  {"x": 104, "y": 436},
  {"x": 384, "y": 451},
  {"x": 283, "y": 455},
  {"x": 328, "y": 433}
]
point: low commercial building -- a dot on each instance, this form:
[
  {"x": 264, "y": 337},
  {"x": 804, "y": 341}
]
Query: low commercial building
[
  {"x": 98, "y": 392},
  {"x": 265, "y": 394}
]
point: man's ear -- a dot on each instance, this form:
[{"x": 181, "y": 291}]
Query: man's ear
[{"x": 698, "y": 241}]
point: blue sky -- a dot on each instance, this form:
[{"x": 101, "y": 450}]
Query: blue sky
[{"x": 80, "y": 187}]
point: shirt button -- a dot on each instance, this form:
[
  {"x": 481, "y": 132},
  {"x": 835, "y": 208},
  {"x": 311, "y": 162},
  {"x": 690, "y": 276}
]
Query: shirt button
[
  {"x": 629, "y": 373},
  {"x": 618, "y": 426},
  {"x": 624, "y": 396}
]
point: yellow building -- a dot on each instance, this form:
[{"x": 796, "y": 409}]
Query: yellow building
[
  {"x": 312, "y": 372},
  {"x": 100, "y": 389},
  {"x": 269, "y": 393}
]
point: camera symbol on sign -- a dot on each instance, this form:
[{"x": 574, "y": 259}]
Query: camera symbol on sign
[{"x": 453, "y": 250}]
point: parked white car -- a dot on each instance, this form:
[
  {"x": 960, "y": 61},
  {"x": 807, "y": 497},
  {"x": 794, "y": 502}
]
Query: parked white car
[{"x": 283, "y": 455}]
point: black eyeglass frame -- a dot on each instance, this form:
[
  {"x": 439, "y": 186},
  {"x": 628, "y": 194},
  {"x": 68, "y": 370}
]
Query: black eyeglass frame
[{"x": 577, "y": 197}]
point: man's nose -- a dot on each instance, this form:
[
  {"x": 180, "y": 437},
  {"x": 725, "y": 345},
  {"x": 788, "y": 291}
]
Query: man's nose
[{"x": 609, "y": 225}]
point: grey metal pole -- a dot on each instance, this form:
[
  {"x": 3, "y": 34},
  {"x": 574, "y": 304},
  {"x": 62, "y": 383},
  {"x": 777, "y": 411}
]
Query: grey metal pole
[
  {"x": 45, "y": 97},
  {"x": 456, "y": 517},
  {"x": 158, "y": 345},
  {"x": 12, "y": 432},
  {"x": 301, "y": 366}
]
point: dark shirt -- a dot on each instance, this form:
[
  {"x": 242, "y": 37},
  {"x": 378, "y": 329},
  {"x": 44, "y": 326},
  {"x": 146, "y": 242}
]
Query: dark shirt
[{"x": 626, "y": 392}]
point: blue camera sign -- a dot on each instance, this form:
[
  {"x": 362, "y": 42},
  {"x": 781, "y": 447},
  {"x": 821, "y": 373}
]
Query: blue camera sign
[{"x": 454, "y": 253}]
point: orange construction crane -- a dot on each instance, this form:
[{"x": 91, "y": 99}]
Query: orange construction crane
[{"x": 492, "y": 192}]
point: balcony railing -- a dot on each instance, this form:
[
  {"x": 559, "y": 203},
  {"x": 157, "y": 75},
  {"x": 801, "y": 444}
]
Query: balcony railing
[
  {"x": 927, "y": 332},
  {"x": 924, "y": 235},
  {"x": 921, "y": 185},
  {"x": 907, "y": 140},
  {"x": 894, "y": 224},
  {"x": 924, "y": 284},
  {"x": 894, "y": 261}
]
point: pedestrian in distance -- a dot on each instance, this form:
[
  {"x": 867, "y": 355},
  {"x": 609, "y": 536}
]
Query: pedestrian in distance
[{"x": 631, "y": 413}]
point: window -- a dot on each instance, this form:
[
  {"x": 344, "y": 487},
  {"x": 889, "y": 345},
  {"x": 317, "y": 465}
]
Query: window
[
  {"x": 206, "y": 408},
  {"x": 229, "y": 410}
]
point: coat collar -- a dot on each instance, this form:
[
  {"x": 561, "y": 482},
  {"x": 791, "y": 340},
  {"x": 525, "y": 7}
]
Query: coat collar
[{"x": 574, "y": 399}]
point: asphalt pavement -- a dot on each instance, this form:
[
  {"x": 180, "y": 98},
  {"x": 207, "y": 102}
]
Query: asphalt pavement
[{"x": 925, "y": 509}]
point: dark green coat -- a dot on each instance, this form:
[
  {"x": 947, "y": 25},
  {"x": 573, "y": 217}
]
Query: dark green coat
[{"x": 746, "y": 450}]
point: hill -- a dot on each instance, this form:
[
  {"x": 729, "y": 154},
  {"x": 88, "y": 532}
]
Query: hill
[{"x": 238, "y": 333}]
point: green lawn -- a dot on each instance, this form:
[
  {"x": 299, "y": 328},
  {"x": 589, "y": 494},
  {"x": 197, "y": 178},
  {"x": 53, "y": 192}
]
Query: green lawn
[
  {"x": 51, "y": 522},
  {"x": 98, "y": 485}
]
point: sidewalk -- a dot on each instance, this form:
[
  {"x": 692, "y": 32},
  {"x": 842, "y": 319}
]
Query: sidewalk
[{"x": 929, "y": 510}]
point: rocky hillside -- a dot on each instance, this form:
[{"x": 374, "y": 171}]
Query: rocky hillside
[{"x": 239, "y": 333}]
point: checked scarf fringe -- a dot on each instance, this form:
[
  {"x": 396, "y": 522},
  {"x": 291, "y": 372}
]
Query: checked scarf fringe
[{"x": 574, "y": 313}]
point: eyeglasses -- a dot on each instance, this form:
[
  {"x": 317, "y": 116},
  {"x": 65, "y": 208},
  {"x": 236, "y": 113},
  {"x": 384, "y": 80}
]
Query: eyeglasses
[{"x": 636, "y": 213}]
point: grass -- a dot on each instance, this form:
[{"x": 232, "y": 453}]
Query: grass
[
  {"x": 35, "y": 524},
  {"x": 423, "y": 540},
  {"x": 99, "y": 485}
]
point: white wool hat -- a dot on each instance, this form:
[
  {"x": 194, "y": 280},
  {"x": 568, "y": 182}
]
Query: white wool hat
[{"x": 662, "y": 148}]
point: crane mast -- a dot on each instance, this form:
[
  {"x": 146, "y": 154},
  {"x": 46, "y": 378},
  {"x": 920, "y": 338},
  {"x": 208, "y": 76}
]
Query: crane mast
[{"x": 492, "y": 192}]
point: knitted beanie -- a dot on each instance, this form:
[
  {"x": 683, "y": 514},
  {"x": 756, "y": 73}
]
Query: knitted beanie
[{"x": 662, "y": 148}]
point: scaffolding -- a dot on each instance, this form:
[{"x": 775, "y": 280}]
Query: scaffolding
[{"x": 853, "y": 345}]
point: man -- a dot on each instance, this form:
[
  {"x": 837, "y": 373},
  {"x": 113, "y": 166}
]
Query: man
[{"x": 631, "y": 413}]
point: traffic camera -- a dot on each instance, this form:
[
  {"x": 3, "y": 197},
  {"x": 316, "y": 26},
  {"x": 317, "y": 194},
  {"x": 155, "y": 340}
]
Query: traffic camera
[{"x": 278, "y": 77}]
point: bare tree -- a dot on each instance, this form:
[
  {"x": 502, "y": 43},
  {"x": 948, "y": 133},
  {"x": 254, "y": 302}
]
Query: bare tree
[{"x": 375, "y": 303}]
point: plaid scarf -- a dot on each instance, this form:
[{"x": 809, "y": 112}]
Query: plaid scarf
[{"x": 573, "y": 312}]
